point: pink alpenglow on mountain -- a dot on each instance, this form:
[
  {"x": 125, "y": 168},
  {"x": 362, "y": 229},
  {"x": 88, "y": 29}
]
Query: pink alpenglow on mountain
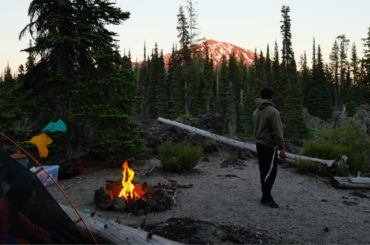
[{"x": 217, "y": 49}]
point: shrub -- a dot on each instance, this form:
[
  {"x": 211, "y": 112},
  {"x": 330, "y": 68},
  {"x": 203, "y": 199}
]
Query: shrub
[
  {"x": 324, "y": 134},
  {"x": 304, "y": 167},
  {"x": 346, "y": 140},
  {"x": 178, "y": 157}
]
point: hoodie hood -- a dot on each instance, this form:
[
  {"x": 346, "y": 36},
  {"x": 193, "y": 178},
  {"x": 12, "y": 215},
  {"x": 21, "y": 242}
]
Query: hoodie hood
[{"x": 263, "y": 103}]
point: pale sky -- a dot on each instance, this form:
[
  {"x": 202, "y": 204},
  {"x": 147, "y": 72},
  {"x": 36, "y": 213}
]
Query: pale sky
[{"x": 245, "y": 23}]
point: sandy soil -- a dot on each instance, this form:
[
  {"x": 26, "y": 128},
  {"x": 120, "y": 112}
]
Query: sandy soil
[{"x": 311, "y": 210}]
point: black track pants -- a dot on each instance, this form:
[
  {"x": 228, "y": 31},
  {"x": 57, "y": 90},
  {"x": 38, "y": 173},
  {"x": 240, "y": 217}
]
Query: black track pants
[{"x": 267, "y": 159}]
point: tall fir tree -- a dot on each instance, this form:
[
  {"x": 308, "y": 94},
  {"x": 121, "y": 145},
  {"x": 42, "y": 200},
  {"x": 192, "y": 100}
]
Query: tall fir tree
[
  {"x": 318, "y": 99},
  {"x": 143, "y": 85},
  {"x": 193, "y": 23},
  {"x": 292, "y": 110},
  {"x": 268, "y": 68},
  {"x": 334, "y": 66},
  {"x": 81, "y": 75},
  {"x": 276, "y": 78},
  {"x": 343, "y": 65},
  {"x": 185, "y": 55},
  {"x": 234, "y": 80},
  {"x": 365, "y": 71},
  {"x": 153, "y": 83},
  {"x": 163, "y": 99},
  {"x": 209, "y": 92},
  {"x": 305, "y": 78},
  {"x": 354, "y": 66},
  {"x": 223, "y": 86}
]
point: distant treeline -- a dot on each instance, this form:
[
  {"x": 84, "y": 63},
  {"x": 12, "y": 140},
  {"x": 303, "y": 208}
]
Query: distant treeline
[{"x": 75, "y": 72}]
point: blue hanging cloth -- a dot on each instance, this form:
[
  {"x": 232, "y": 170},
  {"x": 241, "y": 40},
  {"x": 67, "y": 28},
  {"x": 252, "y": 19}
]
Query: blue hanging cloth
[{"x": 58, "y": 126}]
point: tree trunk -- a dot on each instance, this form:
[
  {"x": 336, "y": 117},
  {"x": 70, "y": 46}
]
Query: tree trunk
[
  {"x": 291, "y": 158},
  {"x": 112, "y": 232}
]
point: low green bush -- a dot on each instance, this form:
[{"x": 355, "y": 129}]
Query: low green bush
[
  {"x": 178, "y": 157},
  {"x": 324, "y": 134},
  {"x": 304, "y": 167},
  {"x": 347, "y": 140}
]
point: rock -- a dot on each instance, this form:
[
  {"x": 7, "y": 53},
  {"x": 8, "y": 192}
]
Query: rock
[
  {"x": 210, "y": 148},
  {"x": 243, "y": 154},
  {"x": 360, "y": 119},
  {"x": 359, "y": 194},
  {"x": 119, "y": 204},
  {"x": 102, "y": 200},
  {"x": 221, "y": 235},
  {"x": 232, "y": 162},
  {"x": 212, "y": 122}
]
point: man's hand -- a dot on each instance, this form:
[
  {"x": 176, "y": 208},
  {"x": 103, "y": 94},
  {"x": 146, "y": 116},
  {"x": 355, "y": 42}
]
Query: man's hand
[{"x": 282, "y": 154}]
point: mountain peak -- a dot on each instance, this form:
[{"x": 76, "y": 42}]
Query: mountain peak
[{"x": 218, "y": 49}]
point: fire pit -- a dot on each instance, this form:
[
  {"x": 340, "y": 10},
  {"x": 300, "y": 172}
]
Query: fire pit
[{"x": 126, "y": 196}]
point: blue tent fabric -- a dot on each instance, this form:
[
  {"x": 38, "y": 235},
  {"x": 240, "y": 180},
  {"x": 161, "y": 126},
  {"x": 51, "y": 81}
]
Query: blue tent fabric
[{"x": 58, "y": 126}]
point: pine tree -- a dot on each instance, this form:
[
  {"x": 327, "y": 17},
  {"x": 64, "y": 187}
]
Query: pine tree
[
  {"x": 163, "y": 100},
  {"x": 153, "y": 83},
  {"x": 334, "y": 65},
  {"x": 318, "y": 96},
  {"x": 276, "y": 78},
  {"x": 196, "y": 86},
  {"x": 184, "y": 39},
  {"x": 193, "y": 23},
  {"x": 247, "y": 105},
  {"x": 354, "y": 65},
  {"x": 365, "y": 74},
  {"x": 8, "y": 77},
  {"x": 223, "y": 85},
  {"x": 81, "y": 75},
  {"x": 292, "y": 110},
  {"x": 305, "y": 78},
  {"x": 143, "y": 85},
  {"x": 268, "y": 68},
  {"x": 261, "y": 72},
  {"x": 176, "y": 84},
  {"x": 209, "y": 91},
  {"x": 348, "y": 94},
  {"x": 343, "y": 64},
  {"x": 30, "y": 59},
  {"x": 233, "y": 94}
]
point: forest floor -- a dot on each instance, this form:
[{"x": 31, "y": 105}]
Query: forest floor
[{"x": 311, "y": 210}]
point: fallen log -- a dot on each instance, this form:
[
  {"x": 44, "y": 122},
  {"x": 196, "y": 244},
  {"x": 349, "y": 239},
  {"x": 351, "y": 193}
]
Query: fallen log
[
  {"x": 351, "y": 182},
  {"x": 291, "y": 158},
  {"x": 112, "y": 232}
]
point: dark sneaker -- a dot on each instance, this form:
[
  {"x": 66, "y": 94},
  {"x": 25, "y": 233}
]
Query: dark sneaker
[{"x": 269, "y": 203}]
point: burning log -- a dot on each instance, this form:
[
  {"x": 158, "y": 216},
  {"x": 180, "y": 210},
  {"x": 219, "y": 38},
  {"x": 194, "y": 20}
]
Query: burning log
[{"x": 291, "y": 158}]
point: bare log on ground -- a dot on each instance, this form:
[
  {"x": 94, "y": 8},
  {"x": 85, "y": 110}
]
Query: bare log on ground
[
  {"x": 291, "y": 158},
  {"x": 115, "y": 233},
  {"x": 351, "y": 182}
]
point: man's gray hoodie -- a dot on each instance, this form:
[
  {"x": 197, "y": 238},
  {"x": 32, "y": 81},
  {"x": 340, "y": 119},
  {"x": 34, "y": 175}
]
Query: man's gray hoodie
[{"x": 268, "y": 128}]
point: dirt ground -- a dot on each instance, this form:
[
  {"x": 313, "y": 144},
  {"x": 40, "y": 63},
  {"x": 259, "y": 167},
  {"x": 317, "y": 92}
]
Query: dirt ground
[{"x": 311, "y": 210}]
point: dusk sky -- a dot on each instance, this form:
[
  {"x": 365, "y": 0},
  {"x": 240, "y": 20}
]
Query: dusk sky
[{"x": 245, "y": 23}]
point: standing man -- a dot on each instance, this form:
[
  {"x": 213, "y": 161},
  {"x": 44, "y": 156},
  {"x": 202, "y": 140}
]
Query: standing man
[{"x": 268, "y": 131}]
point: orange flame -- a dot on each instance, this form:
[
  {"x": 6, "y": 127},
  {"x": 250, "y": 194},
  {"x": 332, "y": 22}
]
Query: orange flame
[{"x": 129, "y": 190}]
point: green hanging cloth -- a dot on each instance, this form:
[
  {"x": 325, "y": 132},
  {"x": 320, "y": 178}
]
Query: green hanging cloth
[{"x": 58, "y": 126}]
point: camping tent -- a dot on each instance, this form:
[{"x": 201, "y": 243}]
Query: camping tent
[{"x": 45, "y": 212}]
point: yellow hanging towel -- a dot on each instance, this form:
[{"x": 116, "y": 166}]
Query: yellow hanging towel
[{"x": 41, "y": 141}]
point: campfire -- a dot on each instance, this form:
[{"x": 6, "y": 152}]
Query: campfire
[
  {"x": 129, "y": 190},
  {"x": 127, "y": 196}
]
